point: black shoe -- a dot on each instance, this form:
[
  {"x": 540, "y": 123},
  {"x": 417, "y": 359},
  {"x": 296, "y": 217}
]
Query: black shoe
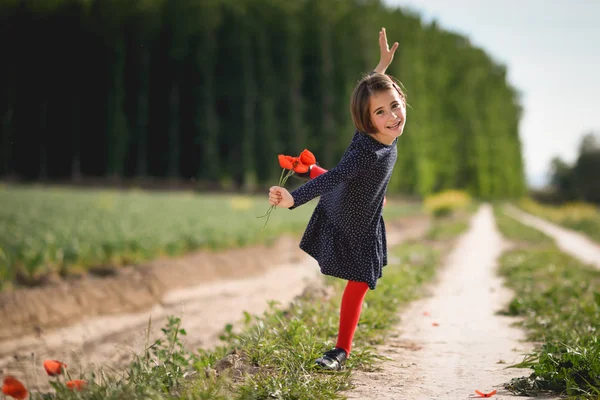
[{"x": 333, "y": 360}]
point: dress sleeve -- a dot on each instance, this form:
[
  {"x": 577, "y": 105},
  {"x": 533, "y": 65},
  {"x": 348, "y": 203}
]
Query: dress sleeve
[{"x": 354, "y": 163}]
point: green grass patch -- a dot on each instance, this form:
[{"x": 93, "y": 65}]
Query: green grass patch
[
  {"x": 60, "y": 231},
  {"x": 449, "y": 227},
  {"x": 516, "y": 231},
  {"x": 558, "y": 300},
  {"x": 273, "y": 355}
]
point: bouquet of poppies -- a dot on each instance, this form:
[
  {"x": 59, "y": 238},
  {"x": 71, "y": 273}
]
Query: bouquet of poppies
[{"x": 293, "y": 165}]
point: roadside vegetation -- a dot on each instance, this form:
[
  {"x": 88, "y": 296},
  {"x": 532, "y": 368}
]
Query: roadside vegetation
[
  {"x": 557, "y": 298},
  {"x": 272, "y": 356}
]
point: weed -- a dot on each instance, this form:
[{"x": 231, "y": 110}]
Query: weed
[{"x": 557, "y": 297}]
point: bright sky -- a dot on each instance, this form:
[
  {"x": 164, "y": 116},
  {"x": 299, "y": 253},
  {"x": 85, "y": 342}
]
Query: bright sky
[{"x": 552, "y": 51}]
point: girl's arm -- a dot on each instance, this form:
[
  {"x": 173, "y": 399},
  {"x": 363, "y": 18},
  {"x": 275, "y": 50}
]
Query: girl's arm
[
  {"x": 315, "y": 171},
  {"x": 353, "y": 164},
  {"x": 386, "y": 54}
]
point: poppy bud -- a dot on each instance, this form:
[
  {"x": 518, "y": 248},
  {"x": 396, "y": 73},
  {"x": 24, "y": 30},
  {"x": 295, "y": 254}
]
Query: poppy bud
[
  {"x": 307, "y": 158},
  {"x": 14, "y": 388},
  {"x": 54, "y": 367},
  {"x": 77, "y": 384}
]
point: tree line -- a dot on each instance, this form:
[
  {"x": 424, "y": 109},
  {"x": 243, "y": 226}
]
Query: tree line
[
  {"x": 578, "y": 181},
  {"x": 213, "y": 90}
]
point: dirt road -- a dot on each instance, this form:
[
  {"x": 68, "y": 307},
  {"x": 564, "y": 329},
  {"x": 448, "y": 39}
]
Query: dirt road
[
  {"x": 205, "y": 310},
  {"x": 452, "y": 342},
  {"x": 570, "y": 242}
]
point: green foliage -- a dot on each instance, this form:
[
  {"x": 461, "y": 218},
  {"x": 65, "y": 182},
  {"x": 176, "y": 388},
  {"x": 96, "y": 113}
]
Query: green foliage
[
  {"x": 159, "y": 373},
  {"x": 221, "y": 87},
  {"x": 448, "y": 228},
  {"x": 580, "y": 180},
  {"x": 557, "y": 298},
  {"x": 514, "y": 230},
  {"x": 47, "y": 231},
  {"x": 62, "y": 231}
]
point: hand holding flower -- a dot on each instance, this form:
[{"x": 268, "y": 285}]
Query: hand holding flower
[{"x": 280, "y": 197}]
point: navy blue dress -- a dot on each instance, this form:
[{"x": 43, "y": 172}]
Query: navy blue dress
[{"x": 346, "y": 233}]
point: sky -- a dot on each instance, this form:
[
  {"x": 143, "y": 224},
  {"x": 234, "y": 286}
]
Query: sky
[{"x": 551, "y": 50}]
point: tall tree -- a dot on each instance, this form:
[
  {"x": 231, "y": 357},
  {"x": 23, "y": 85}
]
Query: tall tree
[{"x": 206, "y": 122}]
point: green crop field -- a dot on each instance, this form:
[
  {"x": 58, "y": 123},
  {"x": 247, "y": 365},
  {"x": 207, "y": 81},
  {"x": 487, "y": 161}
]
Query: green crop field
[{"x": 66, "y": 231}]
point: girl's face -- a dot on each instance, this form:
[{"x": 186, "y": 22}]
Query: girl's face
[{"x": 388, "y": 115}]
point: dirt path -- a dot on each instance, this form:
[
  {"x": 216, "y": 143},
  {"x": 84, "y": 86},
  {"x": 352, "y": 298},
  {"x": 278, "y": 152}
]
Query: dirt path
[
  {"x": 470, "y": 347},
  {"x": 569, "y": 241},
  {"x": 205, "y": 310}
]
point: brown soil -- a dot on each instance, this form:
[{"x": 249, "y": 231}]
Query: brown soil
[
  {"x": 130, "y": 289},
  {"x": 103, "y": 321}
]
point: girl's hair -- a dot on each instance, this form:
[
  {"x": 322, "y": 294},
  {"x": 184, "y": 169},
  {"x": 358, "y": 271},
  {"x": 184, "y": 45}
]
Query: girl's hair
[{"x": 359, "y": 104}]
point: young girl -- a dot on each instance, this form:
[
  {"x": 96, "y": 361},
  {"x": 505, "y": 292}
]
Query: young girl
[{"x": 346, "y": 233}]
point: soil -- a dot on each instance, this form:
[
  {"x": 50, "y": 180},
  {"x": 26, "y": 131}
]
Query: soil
[
  {"x": 104, "y": 321},
  {"x": 130, "y": 289}
]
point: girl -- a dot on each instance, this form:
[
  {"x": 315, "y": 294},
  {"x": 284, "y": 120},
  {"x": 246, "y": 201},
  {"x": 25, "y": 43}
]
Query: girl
[{"x": 346, "y": 233}]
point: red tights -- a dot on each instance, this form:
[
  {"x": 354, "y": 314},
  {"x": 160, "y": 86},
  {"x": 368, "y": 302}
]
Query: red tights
[{"x": 352, "y": 300}]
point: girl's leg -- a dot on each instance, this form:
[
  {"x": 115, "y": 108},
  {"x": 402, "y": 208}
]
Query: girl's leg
[{"x": 352, "y": 301}]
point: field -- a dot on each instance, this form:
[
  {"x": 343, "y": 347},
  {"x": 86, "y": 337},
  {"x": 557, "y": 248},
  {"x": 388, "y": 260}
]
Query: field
[{"x": 48, "y": 232}]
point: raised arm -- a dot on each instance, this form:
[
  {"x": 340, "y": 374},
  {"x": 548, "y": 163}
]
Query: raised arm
[{"x": 386, "y": 54}]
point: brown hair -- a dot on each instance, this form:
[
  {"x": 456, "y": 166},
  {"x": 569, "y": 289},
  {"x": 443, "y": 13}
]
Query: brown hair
[{"x": 359, "y": 103}]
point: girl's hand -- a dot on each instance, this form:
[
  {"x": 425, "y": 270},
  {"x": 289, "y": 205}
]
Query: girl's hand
[
  {"x": 280, "y": 197},
  {"x": 386, "y": 54}
]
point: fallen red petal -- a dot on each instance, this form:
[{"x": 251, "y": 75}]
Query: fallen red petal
[{"x": 481, "y": 394}]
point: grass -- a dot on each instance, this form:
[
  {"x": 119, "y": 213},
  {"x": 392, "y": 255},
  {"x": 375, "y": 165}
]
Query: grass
[
  {"x": 448, "y": 227},
  {"x": 557, "y": 297},
  {"x": 581, "y": 217},
  {"x": 61, "y": 232},
  {"x": 518, "y": 232},
  {"x": 272, "y": 357}
]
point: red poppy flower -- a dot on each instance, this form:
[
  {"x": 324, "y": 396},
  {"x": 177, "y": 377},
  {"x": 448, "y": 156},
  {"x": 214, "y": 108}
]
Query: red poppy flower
[
  {"x": 286, "y": 162},
  {"x": 307, "y": 158},
  {"x": 54, "y": 367},
  {"x": 481, "y": 394},
  {"x": 298, "y": 165},
  {"x": 300, "y": 168},
  {"x": 77, "y": 384},
  {"x": 14, "y": 388}
]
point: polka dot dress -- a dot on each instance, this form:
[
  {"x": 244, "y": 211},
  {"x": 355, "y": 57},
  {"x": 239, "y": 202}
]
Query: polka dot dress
[{"x": 346, "y": 233}]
